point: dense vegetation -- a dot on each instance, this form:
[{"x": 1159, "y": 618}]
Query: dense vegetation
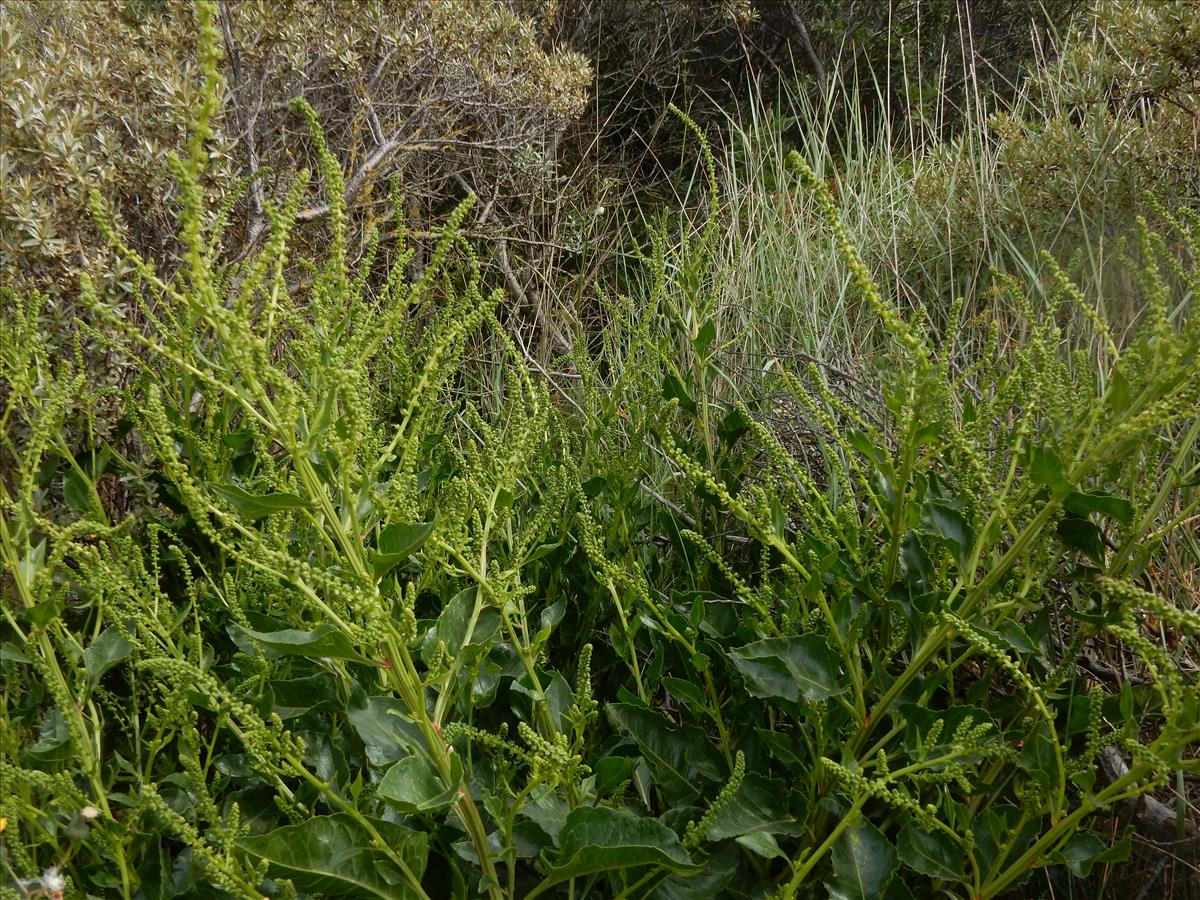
[{"x": 446, "y": 505}]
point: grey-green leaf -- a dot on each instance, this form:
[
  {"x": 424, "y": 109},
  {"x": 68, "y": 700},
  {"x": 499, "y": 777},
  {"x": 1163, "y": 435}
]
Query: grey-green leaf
[{"x": 761, "y": 843}]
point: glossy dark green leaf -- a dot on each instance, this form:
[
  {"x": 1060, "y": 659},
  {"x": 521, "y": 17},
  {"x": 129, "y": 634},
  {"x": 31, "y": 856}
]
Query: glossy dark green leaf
[
  {"x": 256, "y": 506},
  {"x": 384, "y": 728},
  {"x": 919, "y": 721},
  {"x": 1084, "y": 850},
  {"x": 678, "y": 756},
  {"x": 1082, "y": 535},
  {"x": 1045, "y": 467},
  {"x": 324, "y": 642},
  {"x": 733, "y": 426},
  {"x": 720, "y": 867},
  {"x": 932, "y": 853},
  {"x": 686, "y": 691},
  {"x": 1079, "y": 503},
  {"x": 106, "y": 651},
  {"x": 396, "y": 543},
  {"x": 863, "y": 863},
  {"x": 704, "y": 338},
  {"x": 334, "y": 856},
  {"x": 790, "y": 668},
  {"x": 758, "y": 805},
  {"x": 951, "y": 525},
  {"x": 296, "y": 696},
  {"x": 673, "y": 389},
  {"x": 412, "y": 786},
  {"x": 600, "y": 839},
  {"x": 611, "y": 771}
]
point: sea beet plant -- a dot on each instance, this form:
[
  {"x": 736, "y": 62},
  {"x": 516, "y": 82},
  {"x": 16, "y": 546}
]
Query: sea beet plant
[{"x": 376, "y": 630}]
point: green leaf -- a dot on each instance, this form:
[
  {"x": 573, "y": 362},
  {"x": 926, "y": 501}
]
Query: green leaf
[
  {"x": 600, "y": 839},
  {"x": 1079, "y": 503},
  {"x": 790, "y": 667},
  {"x": 541, "y": 551},
  {"x": 296, "y": 696},
  {"x": 863, "y": 862},
  {"x": 733, "y": 426},
  {"x": 593, "y": 486},
  {"x": 759, "y": 805},
  {"x": 396, "y": 543},
  {"x": 678, "y": 756},
  {"x": 1002, "y": 833},
  {"x": 611, "y": 771},
  {"x": 455, "y": 619},
  {"x": 1084, "y": 849},
  {"x": 1118, "y": 393},
  {"x": 1045, "y": 467},
  {"x": 1082, "y": 535},
  {"x": 384, "y": 728},
  {"x": 334, "y": 856},
  {"x": 54, "y": 743},
  {"x": 324, "y": 642},
  {"x": 686, "y": 691},
  {"x": 704, "y": 337},
  {"x": 950, "y": 524},
  {"x": 412, "y": 785},
  {"x": 673, "y": 389},
  {"x": 255, "y": 506},
  {"x": 761, "y": 843},
  {"x": 78, "y": 493},
  {"x": 713, "y": 880},
  {"x": 42, "y": 614},
  {"x": 932, "y": 853},
  {"x": 106, "y": 651}
]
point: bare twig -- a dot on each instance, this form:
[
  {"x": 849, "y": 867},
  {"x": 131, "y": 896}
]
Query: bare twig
[
  {"x": 806, "y": 41},
  {"x": 246, "y": 121},
  {"x": 1151, "y": 817},
  {"x": 357, "y": 181}
]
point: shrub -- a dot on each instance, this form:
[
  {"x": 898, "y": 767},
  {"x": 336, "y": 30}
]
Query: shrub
[
  {"x": 1067, "y": 164},
  {"x": 432, "y": 91}
]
